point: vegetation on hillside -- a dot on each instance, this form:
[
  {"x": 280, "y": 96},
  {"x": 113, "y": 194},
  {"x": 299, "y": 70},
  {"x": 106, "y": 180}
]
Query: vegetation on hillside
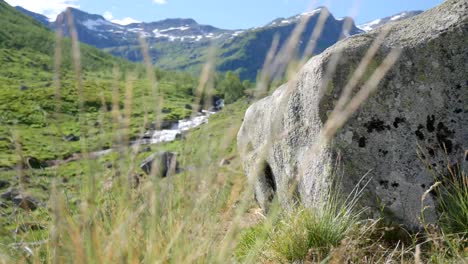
[
  {"x": 105, "y": 209},
  {"x": 40, "y": 105}
]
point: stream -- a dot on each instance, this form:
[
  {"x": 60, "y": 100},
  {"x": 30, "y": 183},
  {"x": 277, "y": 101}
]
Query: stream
[
  {"x": 165, "y": 135},
  {"x": 168, "y": 135},
  {"x": 176, "y": 131}
]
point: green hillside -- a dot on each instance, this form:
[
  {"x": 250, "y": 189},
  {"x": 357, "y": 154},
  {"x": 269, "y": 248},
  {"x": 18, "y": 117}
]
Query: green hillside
[
  {"x": 20, "y": 32},
  {"x": 114, "y": 104},
  {"x": 39, "y": 111}
]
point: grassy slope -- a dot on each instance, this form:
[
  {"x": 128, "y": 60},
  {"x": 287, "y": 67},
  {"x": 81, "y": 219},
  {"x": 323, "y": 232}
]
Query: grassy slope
[
  {"x": 31, "y": 126},
  {"x": 204, "y": 190},
  {"x": 28, "y": 94}
]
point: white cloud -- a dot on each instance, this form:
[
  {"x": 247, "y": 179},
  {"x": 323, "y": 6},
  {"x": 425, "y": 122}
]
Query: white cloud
[
  {"x": 125, "y": 21},
  {"x": 49, "y": 8},
  {"x": 108, "y": 15},
  {"x": 160, "y": 2}
]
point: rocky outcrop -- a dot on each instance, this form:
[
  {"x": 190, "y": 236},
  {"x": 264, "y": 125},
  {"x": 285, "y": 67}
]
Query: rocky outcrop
[
  {"x": 420, "y": 106},
  {"x": 161, "y": 164}
]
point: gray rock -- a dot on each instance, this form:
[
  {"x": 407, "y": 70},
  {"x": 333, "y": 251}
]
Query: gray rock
[
  {"x": 4, "y": 184},
  {"x": 26, "y": 202},
  {"x": 10, "y": 194},
  {"x": 181, "y": 136},
  {"x": 71, "y": 138},
  {"x": 21, "y": 200},
  {"x": 164, "y": 164},
  {"x": 34, "y": 163},
  {"x": 224, "y": 162},
  {"x": 421, "y": 104},
  {"x": 27, "y": 227}
]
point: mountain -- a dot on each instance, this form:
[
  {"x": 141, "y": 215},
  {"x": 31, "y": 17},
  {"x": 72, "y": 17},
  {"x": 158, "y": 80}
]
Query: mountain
[
  {"x": 182, "y": 44},
  {"x": 38, "y": 17},
  {"x": 382, "y": 21},
  {"x": 247, "y": 52},
  {"x": 95, "y": 30}
]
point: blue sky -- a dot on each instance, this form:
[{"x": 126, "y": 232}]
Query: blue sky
[{"x": 230, "y": 14}]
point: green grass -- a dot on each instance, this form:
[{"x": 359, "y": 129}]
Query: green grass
[
  {"x": 448, "y": 241},
  {"x": 454, "y": 202},
  {"x": 304, "y": 233},
  {"x": 310, "y": 232},
  {"x": 204, "y": 193}
]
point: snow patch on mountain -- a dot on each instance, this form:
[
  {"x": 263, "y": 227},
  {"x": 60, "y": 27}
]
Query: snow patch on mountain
[
  {"x": 369, "y": 26},
  {"x": 313, "y": 12},
  {"x": 237, "y": 33},
  {"x": 398, "y": 17},
  {"x": 382, "y": 21},
  {"x": 94, "y": 24},
  {"x": 174, "y": 28}
]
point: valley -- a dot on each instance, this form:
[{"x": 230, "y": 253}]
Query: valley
[{"x": 309, "y": 139}]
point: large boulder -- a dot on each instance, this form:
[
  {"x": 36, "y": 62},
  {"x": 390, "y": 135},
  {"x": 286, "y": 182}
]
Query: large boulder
[{"x": 420, "y": 106}]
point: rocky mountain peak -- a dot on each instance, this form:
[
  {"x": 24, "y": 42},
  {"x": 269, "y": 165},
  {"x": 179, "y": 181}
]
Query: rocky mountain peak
[{"x": 382, "y": 21}]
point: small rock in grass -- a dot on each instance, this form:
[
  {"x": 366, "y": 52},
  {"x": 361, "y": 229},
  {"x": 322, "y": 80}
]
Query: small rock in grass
[
  {"x": 164, "y": 162},
  {"x": 21, "y": 200},
  {"x": 26, "y": 227},
  {"x": 224, "y": 162},
  {"x": 8, "y": 195},
  {"x": 26, "y": 202},
  {"x": 71, "y": 138},
  {"x": 4, "y": 184},
  {"x": 34, "y": 163}
]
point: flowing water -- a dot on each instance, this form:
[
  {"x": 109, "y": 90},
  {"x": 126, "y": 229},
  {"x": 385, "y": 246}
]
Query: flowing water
[{"x": 165, "y": 135}]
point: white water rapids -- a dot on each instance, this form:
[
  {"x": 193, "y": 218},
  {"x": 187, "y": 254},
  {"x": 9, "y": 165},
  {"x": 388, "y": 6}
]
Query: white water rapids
[{"x": 165, "y": 135}]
